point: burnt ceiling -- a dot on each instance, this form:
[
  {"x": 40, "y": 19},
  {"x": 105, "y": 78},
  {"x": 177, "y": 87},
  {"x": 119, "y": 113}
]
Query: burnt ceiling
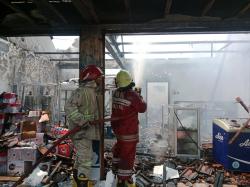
[{"x": 69, "y": 16}]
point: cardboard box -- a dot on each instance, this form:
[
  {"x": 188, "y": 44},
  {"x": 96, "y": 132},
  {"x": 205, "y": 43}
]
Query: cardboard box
[
  {"x": 18, "y": 168},
  {"x": 22, "y": 154},
  {"x": 38, "y": 139},
  {"x": 28, "y": 126},
  {"x": 28, "y": 129}
]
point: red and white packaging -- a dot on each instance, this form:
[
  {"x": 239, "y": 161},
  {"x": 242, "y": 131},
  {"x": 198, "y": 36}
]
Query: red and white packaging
[
  {"x": 58, "y": 131},
  {"x": 64, "y": 150},
  {"x": 9, "y": 98},
  {"x": 18, "y": 168},
  {"x": 22, "y": 154},
  {"x": 3, "y": 162}
]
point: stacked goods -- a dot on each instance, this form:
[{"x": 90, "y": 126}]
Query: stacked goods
[
  {"x": 20, "y": 160},
  {"x": 9, "y": 103}
]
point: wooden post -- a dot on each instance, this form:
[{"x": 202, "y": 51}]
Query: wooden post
[{"x": 92, "y": 52}]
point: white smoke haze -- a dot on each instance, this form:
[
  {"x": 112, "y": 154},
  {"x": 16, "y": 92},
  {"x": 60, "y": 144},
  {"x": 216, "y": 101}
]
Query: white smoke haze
[{"x": 209, "y": 80}]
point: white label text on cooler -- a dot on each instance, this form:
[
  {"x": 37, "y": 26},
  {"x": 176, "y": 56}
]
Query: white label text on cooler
[
  {"x": 245, "y": 144},
  {"x": 219, "y": 136}
]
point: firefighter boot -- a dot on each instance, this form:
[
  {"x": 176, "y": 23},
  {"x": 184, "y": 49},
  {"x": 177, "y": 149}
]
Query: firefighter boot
[
  {"x": 125, "y": 183},
  {"x": 120, "y": 183},
  {"x": 80, "y": 180}
]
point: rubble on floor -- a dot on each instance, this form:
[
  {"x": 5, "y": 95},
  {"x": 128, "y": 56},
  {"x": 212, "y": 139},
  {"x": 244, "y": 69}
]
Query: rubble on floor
[
  {"x": 24, "y": 144},
  {"x": 183, "y": 172}
]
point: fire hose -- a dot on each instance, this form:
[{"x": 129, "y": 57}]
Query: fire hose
[{"x": 71, "y": 132}]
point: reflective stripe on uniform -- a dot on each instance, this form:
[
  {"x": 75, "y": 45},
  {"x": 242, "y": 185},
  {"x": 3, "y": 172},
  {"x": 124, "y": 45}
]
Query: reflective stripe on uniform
[
  {"x": 121, "y": 101},
  {"x": 128, "y": 138},
  {"x": 87, "y": 163},
  {"x": 89, "y": 117},
  {"x": 124, "y": 172},
  {"x": 116, "y": 160},
  {"x": 75, "y": 115}
]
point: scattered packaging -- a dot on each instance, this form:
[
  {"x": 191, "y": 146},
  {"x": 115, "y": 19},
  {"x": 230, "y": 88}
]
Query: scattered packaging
[
  {"x": 18, "y": 168},
  {"x": 28, "y": 126},
  {"x": 64, "y": 150},
  {"x": 58, "y": 131},
  {"x": 28, "y": 130},
  {"x": 38, "y": 140},
  {"x": 35, "y": 177},
  {"x": 9, "y": 98},
  {"x": 35, "y": 113},
  {"x": 13, "y": 108},
  {"x": 22, "y": 154}
]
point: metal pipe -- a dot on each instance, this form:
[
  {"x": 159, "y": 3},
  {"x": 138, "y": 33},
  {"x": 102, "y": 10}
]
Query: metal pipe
[
  {"x": 56, "y": 53},
  {"x": 188, "y": 42},
  {"x": 164, "y": 178}
]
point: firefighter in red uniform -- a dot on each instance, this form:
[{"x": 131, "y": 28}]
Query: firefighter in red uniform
[{"x": 125, "y": 102}]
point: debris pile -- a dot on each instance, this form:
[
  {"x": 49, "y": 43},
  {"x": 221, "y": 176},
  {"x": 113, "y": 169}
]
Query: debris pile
[
  {"x": 24, "y": 138},
  {"x": 185, "y": 172}
]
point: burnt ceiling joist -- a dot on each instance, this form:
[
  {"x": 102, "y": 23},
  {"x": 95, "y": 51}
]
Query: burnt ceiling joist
[
  {"x": 243, "y": 10},
  {"x": 127, "y": 4},
  {"x": 50, "y": 12},
  {"x": 208, "y": 7},
  {"x": 87, "y": 10},
  {"x": 16, "y": 9},
  {"x": 68, "y": 17},
  {"x": 168, "y": 7},
  {"x": 146, "y": 28}
]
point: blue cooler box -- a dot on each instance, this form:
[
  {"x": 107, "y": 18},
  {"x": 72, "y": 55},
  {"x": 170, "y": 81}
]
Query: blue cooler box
[{"x": 235, "y": 156}]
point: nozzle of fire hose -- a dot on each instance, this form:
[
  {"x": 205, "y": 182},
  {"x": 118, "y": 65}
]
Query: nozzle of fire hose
[
  {"x": 138, "y": 90},
  {"x": 239, "y": 100}
]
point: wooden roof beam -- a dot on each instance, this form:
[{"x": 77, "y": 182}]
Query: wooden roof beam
[
  {"x": 49, "y": 11},
  {"x": 17, "y": 10},
  {"x": 207, "y": 8},
  {"x": 168, "y": 7},
  {"x": 243, "y": 10},
  {"x": 127, "y": 4},
  {"x": 84, "y": 6}
]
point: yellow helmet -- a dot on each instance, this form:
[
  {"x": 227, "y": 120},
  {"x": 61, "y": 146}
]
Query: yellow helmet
[{"x": 123, "y": 79}]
